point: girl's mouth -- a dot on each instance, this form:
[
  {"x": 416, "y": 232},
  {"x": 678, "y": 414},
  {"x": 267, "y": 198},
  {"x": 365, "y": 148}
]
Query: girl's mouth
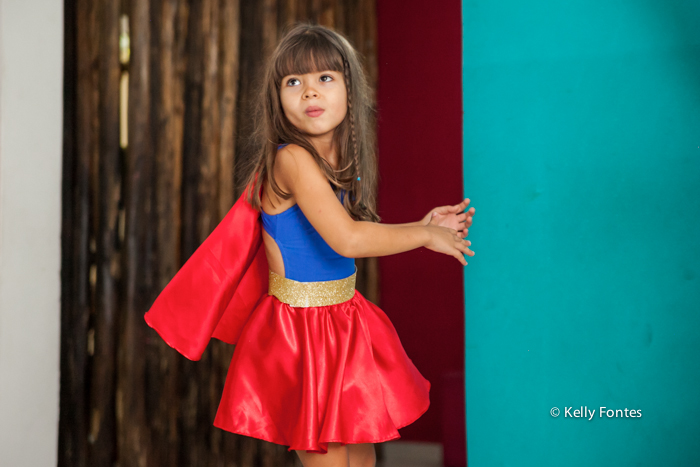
[{"x": 314, "y": 112}]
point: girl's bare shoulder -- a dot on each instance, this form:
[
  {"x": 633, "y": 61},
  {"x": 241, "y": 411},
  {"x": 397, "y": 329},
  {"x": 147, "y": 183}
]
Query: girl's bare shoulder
[{"x": 295, "y": 164}]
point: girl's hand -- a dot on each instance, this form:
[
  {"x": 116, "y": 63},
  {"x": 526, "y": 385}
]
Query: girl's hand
[
  {"x": 451, "y": 217},
  {"x": 448, "y": 241}
]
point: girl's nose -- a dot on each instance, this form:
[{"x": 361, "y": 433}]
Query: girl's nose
[{"x": 310, "y": 92}]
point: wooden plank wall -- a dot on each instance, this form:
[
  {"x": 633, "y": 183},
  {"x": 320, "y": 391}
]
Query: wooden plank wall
[{"x": 133, "y": 215}]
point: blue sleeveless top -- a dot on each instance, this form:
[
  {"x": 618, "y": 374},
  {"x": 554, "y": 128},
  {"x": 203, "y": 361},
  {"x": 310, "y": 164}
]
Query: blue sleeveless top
[{"x": 305, "y": 254}]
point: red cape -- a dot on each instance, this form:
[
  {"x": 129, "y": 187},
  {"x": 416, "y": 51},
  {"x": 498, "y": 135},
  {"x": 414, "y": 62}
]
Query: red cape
[{"x": 217, "y": 288}]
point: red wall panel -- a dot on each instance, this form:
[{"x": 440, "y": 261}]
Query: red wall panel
[{"x": 420, "y": 160}]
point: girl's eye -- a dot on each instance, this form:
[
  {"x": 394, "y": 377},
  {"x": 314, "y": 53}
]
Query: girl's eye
[{"x": 322, "y": 76}]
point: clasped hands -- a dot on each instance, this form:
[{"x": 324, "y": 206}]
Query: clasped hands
[{"x": 452, "y": 217}]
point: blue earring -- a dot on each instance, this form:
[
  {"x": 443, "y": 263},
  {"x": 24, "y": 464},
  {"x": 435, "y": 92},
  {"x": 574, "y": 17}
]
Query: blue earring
[{"x": 358, "y": 178}]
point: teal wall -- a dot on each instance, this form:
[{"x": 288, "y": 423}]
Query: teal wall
[{"x": 582, "y": 159}]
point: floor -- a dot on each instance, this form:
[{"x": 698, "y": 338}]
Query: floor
[
  {"x": 411, "y": 454},
  {"x": 407, "y": 454}
]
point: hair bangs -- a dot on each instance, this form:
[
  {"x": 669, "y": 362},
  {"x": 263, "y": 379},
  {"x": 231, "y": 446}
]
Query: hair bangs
[{"x": 312, "y": 53}]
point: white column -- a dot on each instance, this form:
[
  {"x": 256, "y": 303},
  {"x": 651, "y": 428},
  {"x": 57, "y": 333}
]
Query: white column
[{"x": 31, "y": 103}]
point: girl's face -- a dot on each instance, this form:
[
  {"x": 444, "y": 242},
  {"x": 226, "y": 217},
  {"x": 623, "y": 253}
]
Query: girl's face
[{"x": 315, "y": 103}]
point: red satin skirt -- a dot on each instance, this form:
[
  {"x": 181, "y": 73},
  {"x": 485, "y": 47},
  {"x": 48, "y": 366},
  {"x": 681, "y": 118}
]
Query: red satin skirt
[{"x": 306, "y": 376}]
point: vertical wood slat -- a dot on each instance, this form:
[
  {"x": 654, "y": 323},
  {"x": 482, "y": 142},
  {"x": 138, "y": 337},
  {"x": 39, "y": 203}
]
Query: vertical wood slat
[
  {"x": 223, "y": 444},
  {"x": 132, "y": 426},
  {"x": 365, "y": 41},
  {"x": 163, "y": 362},
  {"x": 326, "y": 15},
  {"x": 288, "y": 12},
  {"x": 230, "y": 26},
  {"x": 251, "y": 50},
  {"x": 102, "y": 391},
  {"x": 192, "y": 450},
  {"x": 208, "y": 216},
  {"x": 75, "y": 238},
  {"x": 269, "y": 28}
]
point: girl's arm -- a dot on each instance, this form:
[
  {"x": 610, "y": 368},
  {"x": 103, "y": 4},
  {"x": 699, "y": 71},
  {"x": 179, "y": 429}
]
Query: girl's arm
[
  {"x": 408, "y": 224},
  {"x": 297, "y": 172},
  {"x": 447, "y": 216}
]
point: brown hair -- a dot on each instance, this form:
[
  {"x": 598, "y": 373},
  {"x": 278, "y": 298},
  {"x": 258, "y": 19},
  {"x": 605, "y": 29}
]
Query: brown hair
[{"x": 308, "y": 48}]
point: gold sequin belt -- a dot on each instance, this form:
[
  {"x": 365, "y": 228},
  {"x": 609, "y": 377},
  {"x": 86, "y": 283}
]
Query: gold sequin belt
[{"x": 318, "y": 293}]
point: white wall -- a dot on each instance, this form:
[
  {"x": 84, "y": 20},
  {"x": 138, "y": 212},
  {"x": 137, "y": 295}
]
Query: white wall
[{"x": 31, "y": 100}]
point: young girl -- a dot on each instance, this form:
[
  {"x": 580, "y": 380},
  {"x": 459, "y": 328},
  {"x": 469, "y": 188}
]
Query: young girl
[{"x": 317, "y": 367}]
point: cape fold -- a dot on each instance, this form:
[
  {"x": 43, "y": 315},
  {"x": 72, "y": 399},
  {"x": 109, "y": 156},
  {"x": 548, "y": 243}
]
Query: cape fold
[{"x": 214, "y": 292}]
